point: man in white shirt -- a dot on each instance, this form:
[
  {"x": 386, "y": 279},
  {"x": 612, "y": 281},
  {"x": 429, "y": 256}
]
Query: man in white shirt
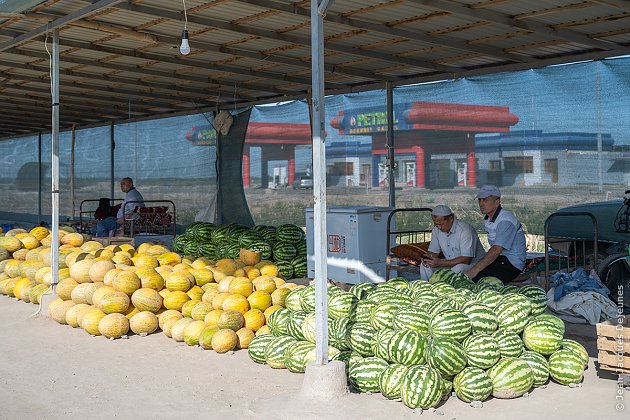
[
  {"x": 133, "y": 197},
  {"x": 455, "y": 239}
]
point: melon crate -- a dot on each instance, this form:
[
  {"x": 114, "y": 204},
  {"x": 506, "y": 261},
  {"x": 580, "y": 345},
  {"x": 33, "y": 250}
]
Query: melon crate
[{"x": 613, "y": 345}]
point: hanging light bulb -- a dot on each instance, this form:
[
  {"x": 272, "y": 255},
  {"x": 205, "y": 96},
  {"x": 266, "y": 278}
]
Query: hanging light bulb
[{"x": 185, "y": 47}]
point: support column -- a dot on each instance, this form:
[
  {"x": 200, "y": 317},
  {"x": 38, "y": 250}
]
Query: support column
[
  {"x": 471, "y": 171},
  {"x": 420, "y": 172},
  {"x": 246, "y": 168},
  {"x": 376, "y": 159},
  {"x": 292, "y": 169},
  {"x": 264, "y": 168}
]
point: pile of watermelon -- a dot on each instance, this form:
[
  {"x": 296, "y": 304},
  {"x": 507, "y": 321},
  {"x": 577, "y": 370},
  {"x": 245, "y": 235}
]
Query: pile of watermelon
[
  {"x": 285, "y": 245},
  {"x": 419, "y": 341}
]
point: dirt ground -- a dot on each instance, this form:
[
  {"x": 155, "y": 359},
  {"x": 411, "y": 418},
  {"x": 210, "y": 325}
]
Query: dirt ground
[{"x": 52, "y": 371}]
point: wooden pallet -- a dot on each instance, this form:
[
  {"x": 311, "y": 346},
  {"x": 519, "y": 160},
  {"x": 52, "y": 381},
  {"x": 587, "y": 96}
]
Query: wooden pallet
[{"x": 613, "y": 345}]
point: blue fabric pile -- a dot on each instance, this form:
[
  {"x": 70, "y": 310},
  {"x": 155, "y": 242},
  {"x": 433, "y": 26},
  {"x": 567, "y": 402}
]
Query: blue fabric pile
[{"x": 577, "y": 281}]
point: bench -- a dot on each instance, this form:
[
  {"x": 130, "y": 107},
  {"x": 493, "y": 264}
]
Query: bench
[{"x": 155, "y": 217}]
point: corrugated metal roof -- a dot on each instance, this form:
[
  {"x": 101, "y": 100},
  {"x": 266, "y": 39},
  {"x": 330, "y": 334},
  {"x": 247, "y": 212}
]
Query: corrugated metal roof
[{"x": 253, "y": 51}]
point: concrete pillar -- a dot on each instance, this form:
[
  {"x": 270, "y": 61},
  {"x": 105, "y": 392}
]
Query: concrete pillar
[
  {"x": 375, "y": 161},
  {"x": 471, "y": 172},
  {"x": 292, "y": 168},
  {"x": 246, "y": 168},
  {"x": 420, "y": 171}
]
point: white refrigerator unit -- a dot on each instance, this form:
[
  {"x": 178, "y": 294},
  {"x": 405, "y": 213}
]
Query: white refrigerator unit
[{"x": 356, "y": 243}]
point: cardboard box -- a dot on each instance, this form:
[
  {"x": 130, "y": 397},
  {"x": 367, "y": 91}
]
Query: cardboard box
[{"x": 613, "y": 345}]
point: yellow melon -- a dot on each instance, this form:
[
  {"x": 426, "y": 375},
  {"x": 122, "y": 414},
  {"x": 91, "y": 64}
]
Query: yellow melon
[
  {"x": 62, "y": 274},
  {"x": 265, "y": 283},
  {"x": 151, "y": 279},
  {"x": 249, "y": 257},
  {"x": 217, "y": 274},
  {"x": 28, "y": 241},
  {"x": 169, "y": 258},
  {"x": 262, "y": 263},
  {"x": 195, "y": 293},
  {"x": 31, "y": 255},
  {"x": 208, "y": 295},
  {"x": 203, "y": 276},
  {"x": 212, "y": 318},
  {"x": 252, "y": 273},
  {"x": 104, "y": 253},
  {"x": 39, "y": 275},
  {"x": 29, "y": 268},
  {"x": 164, "y": 270},
  {"x": 127, "y": 282},
  {"x": 12, "y": 267},
  {"x": 200, "y": 262},
  {"x": 25, "y": 293},
  {"x": 15, "y": 231},
  {"x": 227, "y": 266},
  {"x": 146, "y": 299},
  {"x": 168, "y": 314},
  {"x": 205, "y": 338},
  {"x": 263, "y": 330},
  {"x": 192, "y": 332},
  {"x": 279, "y": 296},
  {"x": 245, "y": 336},
  {"x": 224, "y": 284},
  {"x": 241, "y": 285},
  {"x": 80, "y": 292},
  {"x": 179, "y": 280},
  {"x": 20, "y": 284},
  {"x": 80, "y": 270},
  {"x": 99, "y": 269},
  {"x": 10, "y": 243},
  {"x": 279, "y": 281},
  {"x": 156, "y": 250},
  {"x": 183, "y": 266},
  {"x": 122, "y": 258},
  {"x": 164, "y": 292},
  {"x": 146, "y": 261},
  {"x": 210, "y": 286},
  {"x": 73, "y": 313},
  {"x": 114, "y": 302},
  {"x": 58, "y": 311},
  {"x": 114, "y": 325},
  {"x": 188, "y": 306},
  {"x": 260, "y": 299},
  {"x": 224, "y": 340},
  {"x": 91, "y": 246},
  {"x": 177, "y": 332},
  {"x": 91, "y": 319},
  {"x": 236, "y": 302},
  {"x": 269, "y": 270},
  {"x": 175, "y": 300},
  {"x": 254, "y": 319},
  {"x": 20, "y": 254},
  {"x": 200, "y": 310},
  {"x": 100, "y": 292},
  {"x": 89, "y": 291},
  {"x": 74, "y": 239},
  {"x": 217, "y": 300},
  {"x": 144, "y": 323},
  {"x": 39, "y": 232},
  {"x": 270, "y": 310},
  {"x": 131, "y": 311},
  {"x": 37, "y": 291},
  {"x": 64, "y": 288}
]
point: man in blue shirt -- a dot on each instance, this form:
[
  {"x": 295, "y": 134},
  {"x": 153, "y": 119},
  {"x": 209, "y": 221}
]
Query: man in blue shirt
[
  {"x": 506, "y": 257},
  {"x": 133, "y": 197}
]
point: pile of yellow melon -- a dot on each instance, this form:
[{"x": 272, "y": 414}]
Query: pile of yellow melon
[{"x": 110, "y": 290}]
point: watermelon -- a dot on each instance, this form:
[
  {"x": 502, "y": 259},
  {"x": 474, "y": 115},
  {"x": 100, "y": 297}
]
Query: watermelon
[
  {"x": 383, "y": 315},
  {"x": 407, "y": 348},
  {"x": 424, "y": 298},
  {"x": 451, "y": 323},
  {"x": 294, "y": 324},
  {"x": 307, "y": 299},
  {"x": 361, "y": 290},
  {"x": 443, "y": 289},
  {"x": 258, "y": 346},
  {"x": 511, "y": 378},
  {"x": 364, "y": 374},
  {"x": 340, "y": 305},
  {"x": 361, "y": 339},
  {"x": 278, "y": 322},
  {"x": 395, "y": 283},
  {"x": 482, "y": 350},
  {"x": 398, "y": 298},
  {"x": 440, "y": 304},
  {"x": 472, "y": 384},
  {"x": 482, "y": 318},
  {"x": 510, "y": 344},
  {"x": 309, "y": 328},
  {"x": 300, "y": 269},
  {"x": 491, "y": 281},
  {"x": 421, "y": 387},
  {"x": 553, "y": 319},
  {"x": 378, "y": 294},
  {"x": 539, "y": 366},
  {"x": 285, "y": 269},
  {"x": 284, "y": 251},
  {"x": 508, "y": 289},
  {"x": 339, "y": 333},
  {"x": 446, "y": 355},
  {"x": 380, "y": 346},
  {"x": 576, "y": 347},
  {"x": 295, "y": 356},
  {"x": 513, "y": 312},
  {"x": 419, "y": 285},
  {"x": 289, "y": 233},
  {"x": 390, "y": 381},
  {"x": 537, "y": 297},
  {"x": 293, "y": 301},
  {"x": 489, "y": 297},
  {"x": 411, "y": 318},
  {"x": 276, "y": 349},
  {"x": 348, "y": 357},
  {"x": 542, "y": 337},
  {"x": 441, "y": 275},
  {"x": 566, "y": 367},
  {"x": 262, "y": 247},
  {"x": 362, "y": 312}
]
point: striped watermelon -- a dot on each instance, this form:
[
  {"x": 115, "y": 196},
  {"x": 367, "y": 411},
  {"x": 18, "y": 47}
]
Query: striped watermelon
[
  {"x": 261, "y": 247},
  {"x": 421, "y": 387},
  {"x": 566, "y": 367},
  {"x": 411, "y": 318},
  {"x": 447, "y": 388},
  {"x": 472, "y": 384},
  {"x": 258, "y": 346},
  {"x": 361, "y": 290},
  {"x": 383, "y": 315},
  {"x": 307, "y": 300},
  {"x": 398, "y": 298},
  {"x": 390, "y": 381},
  {"x": 309, "y": 328},
  {"x": 446, "y": 355},
  {"x": 234, "y": 251},
  {"x": 508, "y": 289},
  {"x": 482, "y": 318},
  {"x": 333, "y": 290},
  {"x": 491, "y": 281},
  {"x": 269, "y": 234},
  {"x": 510, "y": 344},
  {"x": 301, "y": 248},
  {"x": 293, "y": 300},
  {"x": 284, "y": 251},
  {"x": 380, "y": 293},
  {"x": 395, "y": 283},
  {"x": 511, "y": 378},
  {"x": 247, "y": 238},
  {"x": 380, "y": 346},
  {"x": 362, "y": 338},
  {"x": 339, "y": 333},
  {"x": 362, "y": 312},
  {"x": 289, "y": 233},
  {"x": 539, "y": 366},
  {"x": 340, "y": 305},
  {"x": 440, "y": 304},
  {"x": 364, "y": 374},
  {"x": 553, "y": 319},
  {"x": 424, "y": 298},
  {"x": 295, "y": 356},
  {"x": 419, "y": 285},
  {"x": 443, "y": 289},
  {"x": 407, "y": 348},
  {"x": 347, "y": 357},
  {"x": 482, "y": 350},
  {"x": 278, "y": 322},
  {"x": 294, "y": 324},
  {"x": 576, "y": 347},
  {"x": 451, "y": 323},
  {"x": 463, "y": 296},
  {"x": 276, "y": 348},
  {"x": 300, "y": 269},
  {"x": 542, "y": 337},
  {"x": 536, "y": 296},
  {"x": 513, "y": 312},
  {"x": 441, "y": 275},
  {"x": 489, "y": 297}
]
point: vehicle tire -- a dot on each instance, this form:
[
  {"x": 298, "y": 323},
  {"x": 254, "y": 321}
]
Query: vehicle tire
[{"x": 614, "y": 272}]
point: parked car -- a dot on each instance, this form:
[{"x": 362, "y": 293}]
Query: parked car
[{"x": 303, "y": 183}]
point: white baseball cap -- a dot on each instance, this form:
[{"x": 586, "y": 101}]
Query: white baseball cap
[{"x": 487, "y": 191}]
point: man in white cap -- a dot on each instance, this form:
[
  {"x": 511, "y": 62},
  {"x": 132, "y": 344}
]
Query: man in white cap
[
  {"x": 455, "y": 239},
  {"x": 506, "y": 257}
]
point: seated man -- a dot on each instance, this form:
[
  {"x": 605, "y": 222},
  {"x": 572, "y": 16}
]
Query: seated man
[
  {"x": 453, "y": 238},
  {"x": 506, "y": 257},
  {"x": 125, "y": 210},
  {"x": 103, "y": 211}
]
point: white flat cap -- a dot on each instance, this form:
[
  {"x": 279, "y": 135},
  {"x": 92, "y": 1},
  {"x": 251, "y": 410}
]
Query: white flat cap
[{"x": 441, "y": 210}]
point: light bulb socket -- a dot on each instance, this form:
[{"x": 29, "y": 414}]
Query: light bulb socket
[{"x": 184, "y": 47}]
